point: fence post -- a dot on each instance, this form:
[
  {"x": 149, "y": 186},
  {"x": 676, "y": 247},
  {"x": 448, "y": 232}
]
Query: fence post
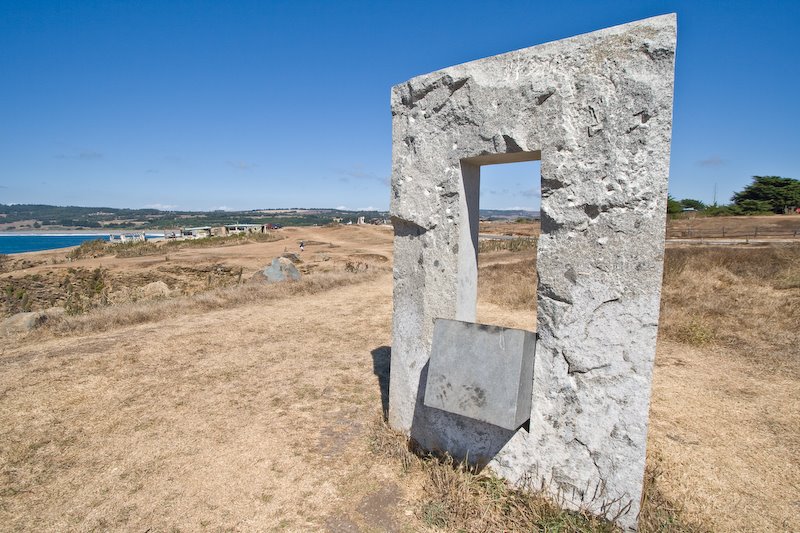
[
  {"x": 723, "y": 231},
  {"x": 755, "y": 234}
]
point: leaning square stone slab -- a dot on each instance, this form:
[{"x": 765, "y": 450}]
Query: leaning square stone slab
[
  {"x": 597, "y": 110},
  {"x": 481, "y": 372}
]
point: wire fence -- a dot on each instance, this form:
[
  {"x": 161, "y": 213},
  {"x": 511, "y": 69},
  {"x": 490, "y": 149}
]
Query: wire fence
[
  {"x": 491, "y": 242},
  {"x": 738, "y": 233}
]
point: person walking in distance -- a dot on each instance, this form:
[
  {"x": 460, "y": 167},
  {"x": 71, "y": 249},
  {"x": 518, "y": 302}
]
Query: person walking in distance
[{"x": 302, "y": 246}]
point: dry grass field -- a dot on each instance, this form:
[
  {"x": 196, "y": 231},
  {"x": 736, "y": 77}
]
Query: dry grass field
[{"x": 225, "y": 405}]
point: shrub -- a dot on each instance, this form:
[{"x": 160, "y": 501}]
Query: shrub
[{"x": 94, "y": 248}]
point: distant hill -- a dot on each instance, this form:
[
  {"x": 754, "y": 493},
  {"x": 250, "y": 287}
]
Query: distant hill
[
  {"x": 35, "y": 216},
  {"x": 508, "y": 214}
]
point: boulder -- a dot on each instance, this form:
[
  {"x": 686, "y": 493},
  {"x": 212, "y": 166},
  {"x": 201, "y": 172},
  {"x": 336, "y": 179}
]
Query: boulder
[
  {"x": 19, "y": 323},
  {"x": 156, "y": 289},
  {"x": 281, "y": 269},
  {"x": 24, "y": 322}
]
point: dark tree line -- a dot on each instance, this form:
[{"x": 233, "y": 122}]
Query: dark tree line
[
  {"x": 122, "y": 218},
  {"x": 766, "y": 194},
  {"x": 769, "y": 193}
]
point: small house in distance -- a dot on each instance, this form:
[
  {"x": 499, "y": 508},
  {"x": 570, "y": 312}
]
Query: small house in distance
[
  {"x": 200, "y": 232},
  {"x": 126, "y": 237},
  {"x": 235, "y": 229},
  {"x": 241, "y": 229}
]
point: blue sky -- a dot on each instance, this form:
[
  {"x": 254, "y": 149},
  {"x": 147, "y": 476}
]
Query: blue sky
[{"x": 244, "y": 105}]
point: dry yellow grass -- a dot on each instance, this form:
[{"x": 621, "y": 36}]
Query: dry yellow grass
[
  {"x": 501, "y": 227},
  {"x": 249, "y": 418},
  {"x": 139, "y": 312},
  {"x": 507, "y": 289},
  {"x": 83, "y": 281},
  {"x": 686, "y": 225},
  {"x": 454, "y": 497},
  {"x": 241, "y": 409},
  {"x": 726, "y": 399},
  {"x": 745, "y": 300},
  {"x": 787, "y": 226}
]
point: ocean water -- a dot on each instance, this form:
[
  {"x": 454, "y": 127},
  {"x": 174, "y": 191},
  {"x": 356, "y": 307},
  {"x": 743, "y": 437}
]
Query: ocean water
[{"x": 13, "y": 244}]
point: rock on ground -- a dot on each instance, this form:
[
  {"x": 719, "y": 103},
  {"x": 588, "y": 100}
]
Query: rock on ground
[{"x": 281, "y": 269}]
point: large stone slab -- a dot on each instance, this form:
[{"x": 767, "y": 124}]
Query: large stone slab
[
  {"x": 482, "y": 372},
  {"x": 597, "y": 110}
]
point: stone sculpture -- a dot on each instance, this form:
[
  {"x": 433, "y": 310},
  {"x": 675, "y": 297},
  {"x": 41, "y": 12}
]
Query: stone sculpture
[{"x": 597, "y": 110}]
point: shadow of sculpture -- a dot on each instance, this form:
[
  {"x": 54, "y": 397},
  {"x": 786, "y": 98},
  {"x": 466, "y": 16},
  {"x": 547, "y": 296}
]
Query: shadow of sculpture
[
  {"x": 465, "y": 439},
  {"x": 381, "y": 359}
]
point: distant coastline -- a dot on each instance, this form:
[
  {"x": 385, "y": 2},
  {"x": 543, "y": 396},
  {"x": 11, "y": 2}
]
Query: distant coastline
[
  {"x": 75, "y": 232},
  {"x": 25, "y": 242}
]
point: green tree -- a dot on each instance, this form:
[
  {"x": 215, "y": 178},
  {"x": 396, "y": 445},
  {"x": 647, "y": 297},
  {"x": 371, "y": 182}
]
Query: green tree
[
  {"x": 673, "y": 206},
  {"x": 751, "y": 207},
  {"x": 769, "y": 193},
  {"x": 688, "y": 203}
]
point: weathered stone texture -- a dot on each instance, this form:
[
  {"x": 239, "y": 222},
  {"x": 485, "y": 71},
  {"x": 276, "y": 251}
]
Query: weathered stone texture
[{"x": 597, "y": 110}]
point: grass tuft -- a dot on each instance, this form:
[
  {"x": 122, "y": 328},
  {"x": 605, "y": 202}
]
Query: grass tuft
[
  {"x": 695, "y": 332},
  {"x": 93, "y": 248}
]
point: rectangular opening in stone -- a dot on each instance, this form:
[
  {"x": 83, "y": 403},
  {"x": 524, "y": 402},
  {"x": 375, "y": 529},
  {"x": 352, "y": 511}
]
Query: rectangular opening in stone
[{"x": 506, "y": 273}]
